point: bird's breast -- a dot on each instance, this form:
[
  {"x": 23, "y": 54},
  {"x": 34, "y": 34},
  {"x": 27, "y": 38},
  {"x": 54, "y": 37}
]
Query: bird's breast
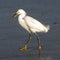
[{"x": 23, "y": 24}]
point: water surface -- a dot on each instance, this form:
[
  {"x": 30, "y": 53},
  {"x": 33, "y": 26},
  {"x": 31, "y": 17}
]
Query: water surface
[{"x": 12, "y": 36}]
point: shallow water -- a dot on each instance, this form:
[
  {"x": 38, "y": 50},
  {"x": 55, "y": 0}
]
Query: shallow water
[{"x": 12, "y": 36}]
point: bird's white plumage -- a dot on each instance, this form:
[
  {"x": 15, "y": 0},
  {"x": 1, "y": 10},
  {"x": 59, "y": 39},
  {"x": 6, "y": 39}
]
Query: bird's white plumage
[
  {"x": 30, "y": 24},
  {"x": 35, "y": 25}
]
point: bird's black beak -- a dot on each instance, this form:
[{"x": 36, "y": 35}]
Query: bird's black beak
[{"x": 14, "y": 15}]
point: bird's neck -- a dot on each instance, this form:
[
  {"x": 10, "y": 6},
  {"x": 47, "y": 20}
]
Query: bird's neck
[{"x": 22, "y": 16}]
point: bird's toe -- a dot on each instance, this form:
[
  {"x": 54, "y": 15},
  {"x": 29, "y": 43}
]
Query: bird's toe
[
  {"x": 25, "y": 48},
  {"x": 39, "y": 48}
]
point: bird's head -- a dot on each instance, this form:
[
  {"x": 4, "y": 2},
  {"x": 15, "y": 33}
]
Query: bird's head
[{"x": 19, "y": 12}]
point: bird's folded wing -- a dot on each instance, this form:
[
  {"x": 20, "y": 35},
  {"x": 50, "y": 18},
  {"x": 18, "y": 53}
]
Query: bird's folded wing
[{"x": 33, "y": 23}]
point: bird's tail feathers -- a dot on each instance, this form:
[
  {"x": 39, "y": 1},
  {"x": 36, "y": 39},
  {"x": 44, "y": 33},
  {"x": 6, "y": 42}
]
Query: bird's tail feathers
[{"x": 47, "y": 28}]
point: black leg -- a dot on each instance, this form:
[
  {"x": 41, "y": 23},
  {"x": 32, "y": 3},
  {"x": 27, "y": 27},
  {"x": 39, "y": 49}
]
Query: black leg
[
  {"x": 39, "y": 45},
  {"x": 29, "y": 38},
  {"x": 24, "y": 48}
]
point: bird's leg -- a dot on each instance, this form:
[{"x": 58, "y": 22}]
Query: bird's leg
[
  {"x": 39, "y": 45},
  {"x": 24, "y": 48}
]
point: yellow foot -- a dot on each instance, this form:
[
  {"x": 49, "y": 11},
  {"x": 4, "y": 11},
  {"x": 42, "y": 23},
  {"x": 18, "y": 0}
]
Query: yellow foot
[
  {"x": 25, "y": 48},
  {"x": 39, "y": 48}
]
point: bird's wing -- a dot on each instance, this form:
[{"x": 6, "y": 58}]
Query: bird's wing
[{"x": 33, "y": 23}]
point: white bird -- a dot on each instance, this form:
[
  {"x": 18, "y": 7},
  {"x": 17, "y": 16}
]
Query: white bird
[{"x": 31, "y": 25}]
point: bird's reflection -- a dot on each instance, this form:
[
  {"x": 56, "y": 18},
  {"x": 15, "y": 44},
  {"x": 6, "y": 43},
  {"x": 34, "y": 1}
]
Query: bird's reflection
[{"x": 33, "y": 55}]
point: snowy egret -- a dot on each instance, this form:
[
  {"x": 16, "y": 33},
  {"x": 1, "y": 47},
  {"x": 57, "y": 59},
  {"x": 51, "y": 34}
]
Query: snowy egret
[{"x": 31, "y": 25}]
